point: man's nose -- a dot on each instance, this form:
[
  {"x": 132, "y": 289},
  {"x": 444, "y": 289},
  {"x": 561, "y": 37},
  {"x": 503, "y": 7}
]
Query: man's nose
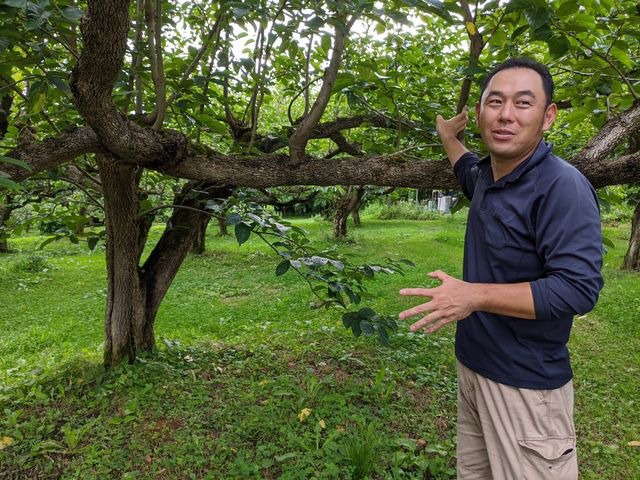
[{"x": 506, "y": 112}]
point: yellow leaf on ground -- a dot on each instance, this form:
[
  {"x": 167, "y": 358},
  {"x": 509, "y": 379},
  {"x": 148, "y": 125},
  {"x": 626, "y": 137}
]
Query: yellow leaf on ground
[
  {"x": 5, "y": 442},
  {"x": 471, "y": 28},
  {"x": 304, "y": 413},
  {"x": 634, "y": 443},
  {"x": 322, "y": 424}
]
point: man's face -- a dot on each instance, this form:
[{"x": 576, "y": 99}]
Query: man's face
[{"x": 512, "y": 114}]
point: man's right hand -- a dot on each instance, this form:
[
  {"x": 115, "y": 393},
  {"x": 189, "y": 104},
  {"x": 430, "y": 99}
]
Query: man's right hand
[{"x": 448, "y": 131}]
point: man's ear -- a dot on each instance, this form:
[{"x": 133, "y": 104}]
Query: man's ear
[
  {"x": 477, "y": 111},
  {"x": 549, "y": 116}
]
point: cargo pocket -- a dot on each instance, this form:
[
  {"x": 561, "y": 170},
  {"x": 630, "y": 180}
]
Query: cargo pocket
[{"x": 551, "y": 457}]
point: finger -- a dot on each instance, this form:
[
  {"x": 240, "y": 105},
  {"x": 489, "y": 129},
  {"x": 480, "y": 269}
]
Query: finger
[
  {"x": 418, "y": 309},
  {"x": 438, "y": 274},
  {"x": 437, "y": 325},
  {"x": 416, "y": 292},
  {"x": 424, "y": 322}
]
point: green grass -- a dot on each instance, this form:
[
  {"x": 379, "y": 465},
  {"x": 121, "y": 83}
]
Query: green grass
[{"x": 250, "y": 382}]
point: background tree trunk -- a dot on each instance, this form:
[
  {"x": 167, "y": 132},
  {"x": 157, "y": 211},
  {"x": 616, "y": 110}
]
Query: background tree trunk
[
  {"x": 355, "y": 210},
  {"x": 200, "y": 242},
  {"x": 632, "y": 257},
  {"x": 344, "y": 206},
  {"x": 222, "y": 228},
  {"x": 5, "y": 214}
]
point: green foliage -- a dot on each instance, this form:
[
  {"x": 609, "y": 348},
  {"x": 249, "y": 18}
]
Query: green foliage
[
  {"x": 333, "y": 279},
  {"x": 32, "y": 263},
  {"x": 400, "y": 210},
  {"x": 361, "y": 449},
  {"x": 223, "y": 393}
]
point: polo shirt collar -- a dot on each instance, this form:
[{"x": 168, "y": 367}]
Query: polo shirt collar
[{"x": 542, "y": 150}]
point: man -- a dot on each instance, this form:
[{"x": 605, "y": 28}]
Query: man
[{"x": 532, "y": 261}]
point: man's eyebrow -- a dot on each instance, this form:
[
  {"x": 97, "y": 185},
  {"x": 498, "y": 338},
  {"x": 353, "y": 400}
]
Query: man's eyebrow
[{"x": 518, "y": 94}]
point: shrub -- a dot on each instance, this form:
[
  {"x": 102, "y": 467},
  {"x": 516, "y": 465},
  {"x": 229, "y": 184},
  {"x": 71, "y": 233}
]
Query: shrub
[
  {"x": 399, "y": 210},
  {"x": 32, "y": 264}
]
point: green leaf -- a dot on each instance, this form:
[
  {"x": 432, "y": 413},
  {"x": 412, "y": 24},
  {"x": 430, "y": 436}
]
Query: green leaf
[
  {"x": 73, "y": 14},
  {"x": 48, "y": 241},
  {"x": 366, "y": 327},
  {"x": 558, "y": 46},
  {"x": 383, "y": 336},
  {"x": 15, "y": 161},
  {"x": 366, "y": 312},
  {"x": 537, "y": 17},
  {"x": 519, "y": 31},
  {"x": 233, "y": 219},
  {"x": 568, "y": 8},
  {"x": 282, "y": 267},
  {"x": 349, "y": 318},
  {"x": 9, "y": 184},
  {"x": 516, "y": 5},
  {"x": 243, "y": 232},
  {"x": 438, "y": 8},
  {"x": 22, "y": 4},
  {"x": 92, "y": 242},
  {"x": 607, "y": 241},
  {"x": 286, "y": 456}
]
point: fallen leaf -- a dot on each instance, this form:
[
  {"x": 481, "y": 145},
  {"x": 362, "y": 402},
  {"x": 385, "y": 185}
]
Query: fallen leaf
[
  {"x": 5, "y": 442},
  {"x": 634, "y": 443},
  {"x": 322, "y": 424},
  {"x": 304, "y": 413}
]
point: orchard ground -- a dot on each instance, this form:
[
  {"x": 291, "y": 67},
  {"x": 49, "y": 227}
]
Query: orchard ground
[{"x": 251, "y": 381}]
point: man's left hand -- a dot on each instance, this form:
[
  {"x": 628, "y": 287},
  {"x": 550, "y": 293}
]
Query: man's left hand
[{"x": 451, "y": 301}]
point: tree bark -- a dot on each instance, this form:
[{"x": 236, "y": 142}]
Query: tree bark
[
  {"x": 355, "y": 210},
  {"x": 134, "y": 293},
  {"x": 344, "y": 206},
  {"x": 632, "y": 257},
  {"x": 125, "y": 294},
  {"x": 222, "y": 228},
  {"x": 5, "y": 214}
]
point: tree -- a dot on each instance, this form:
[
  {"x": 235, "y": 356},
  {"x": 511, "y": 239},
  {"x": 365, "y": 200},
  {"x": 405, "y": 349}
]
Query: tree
[{"x": 141, "y": 98}]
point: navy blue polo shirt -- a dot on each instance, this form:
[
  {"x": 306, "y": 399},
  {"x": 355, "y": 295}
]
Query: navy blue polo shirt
[{"x": 538, "y": 224}]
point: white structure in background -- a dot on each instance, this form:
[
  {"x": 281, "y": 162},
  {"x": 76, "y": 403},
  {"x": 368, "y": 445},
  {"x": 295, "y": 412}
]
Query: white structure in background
[
  {"x": 440, "y": 202},
  {"x": 444, "y": 204}
]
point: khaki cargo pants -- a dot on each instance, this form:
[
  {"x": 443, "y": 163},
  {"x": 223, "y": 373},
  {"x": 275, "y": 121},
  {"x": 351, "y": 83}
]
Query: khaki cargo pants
[{"x": 508, "y": 433}]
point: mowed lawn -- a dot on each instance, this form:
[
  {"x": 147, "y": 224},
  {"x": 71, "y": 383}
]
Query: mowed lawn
[{"x": 251, "y": 381}]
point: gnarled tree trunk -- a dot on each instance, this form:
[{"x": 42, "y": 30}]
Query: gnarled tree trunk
[
  {"x": 632, "y": 257},
  {"x": 134, "y": 292}
]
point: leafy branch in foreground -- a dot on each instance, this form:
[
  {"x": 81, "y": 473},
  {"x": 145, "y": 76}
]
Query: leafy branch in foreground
[{"x": 334, "y": 280}]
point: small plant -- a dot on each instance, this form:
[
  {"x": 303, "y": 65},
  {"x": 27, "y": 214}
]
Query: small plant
[
  {"x": 361, "y": 449},
  {"x": 31, "y": 264},
  {"x": 332, "y": 278}
]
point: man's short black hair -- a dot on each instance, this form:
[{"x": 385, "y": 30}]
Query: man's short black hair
[{"x": 524, "y": 62}]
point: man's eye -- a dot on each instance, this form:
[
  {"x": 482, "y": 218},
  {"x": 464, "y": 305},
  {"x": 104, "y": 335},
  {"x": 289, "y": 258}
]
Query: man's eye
[
  {"x": 524, "y": 103},
  {"x": 494, "y": 101}
]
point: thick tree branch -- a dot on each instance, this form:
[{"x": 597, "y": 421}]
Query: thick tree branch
[
  {"x": 610, "y": 136},
  {"x": 105, "y": 27},
  {"x": 621, "y": 170},
  {"x": 298, "y": 141},
  {"x": 52, "y": 152},
  {"x": 280, "y": 169}
]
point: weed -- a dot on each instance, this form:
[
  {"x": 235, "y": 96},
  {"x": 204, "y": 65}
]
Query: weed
[
  {"x": 361, "y": 449},
  {"x": 32, "y": 263}
]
